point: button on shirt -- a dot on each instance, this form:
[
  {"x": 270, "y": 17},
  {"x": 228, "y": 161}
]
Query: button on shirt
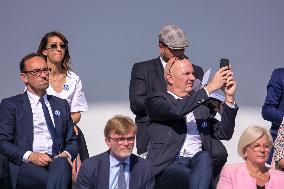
[
  {"x": 114, "y": 172},
  {"x": 192, "y": 143},
  {"x": 42, "y": 141}
]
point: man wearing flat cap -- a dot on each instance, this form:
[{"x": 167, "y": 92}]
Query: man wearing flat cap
[{"x": 147, "y": 77}]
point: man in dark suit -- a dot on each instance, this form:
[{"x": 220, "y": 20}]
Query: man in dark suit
[
  {"x": 184, "y": 138},
  {"x": 116, "y": 168},
  {"x": 147, "y": 77},
  {"x": 36, "y": 131},
  {"x": 273, "y": 108}
]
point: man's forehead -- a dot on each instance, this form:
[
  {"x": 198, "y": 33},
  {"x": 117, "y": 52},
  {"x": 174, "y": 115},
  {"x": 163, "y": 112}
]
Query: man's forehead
[
  {"x": 131, "y": 133},
  {"x": 35, "y": 61},
  {"x": 180, "y": 64}
]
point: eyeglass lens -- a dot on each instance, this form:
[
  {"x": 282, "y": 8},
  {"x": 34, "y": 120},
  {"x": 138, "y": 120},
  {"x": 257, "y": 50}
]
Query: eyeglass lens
[
  {"x": 55, "y": 46},
  {"x": 37, "y": 72}
]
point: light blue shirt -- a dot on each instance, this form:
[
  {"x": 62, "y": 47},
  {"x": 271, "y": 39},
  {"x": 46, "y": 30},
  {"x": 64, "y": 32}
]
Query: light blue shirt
[{"x": 114, "y": 171}]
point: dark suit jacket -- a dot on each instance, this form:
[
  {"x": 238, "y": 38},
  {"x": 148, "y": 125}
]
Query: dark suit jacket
[
  {"x": 146, "y": 78},
  {"x": 168, "y": 128},
  {"x": 94, "y": 173},
  {"x": 273, "y": 108},
  {"x": 16, "y": 129}
]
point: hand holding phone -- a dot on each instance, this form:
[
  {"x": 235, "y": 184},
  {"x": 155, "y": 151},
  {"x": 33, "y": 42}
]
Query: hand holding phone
[{"x": 224, "y": 63}]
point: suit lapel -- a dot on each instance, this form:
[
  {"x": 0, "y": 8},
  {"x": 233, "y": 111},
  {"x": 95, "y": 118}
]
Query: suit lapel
[
  {"x": 55, "y": 109},
  {"x": 201, "y": 115},
  {"x": 160, "y": 72},
  {"x": 133, "y": 174},
  {"x": 27, "y": 117},
  {"x": 103, "y": 173}
]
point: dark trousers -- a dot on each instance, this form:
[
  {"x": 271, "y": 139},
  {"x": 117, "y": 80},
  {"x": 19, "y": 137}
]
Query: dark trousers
[
  {"x": 57, "y": 175},
  {"x": 5, "y": 181},
  {"x": 83, "y": 149},
  {"x": 187, "y": 173},
  {"x": 142, "y": 137}
]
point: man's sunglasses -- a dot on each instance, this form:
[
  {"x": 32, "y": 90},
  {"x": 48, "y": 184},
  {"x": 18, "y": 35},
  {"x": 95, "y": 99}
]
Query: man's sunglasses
[{"x": 55, "y": 46}]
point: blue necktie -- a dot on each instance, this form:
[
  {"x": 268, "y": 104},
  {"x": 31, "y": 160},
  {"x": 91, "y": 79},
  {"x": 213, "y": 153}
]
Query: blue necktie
[
  {"x": 121, "y": 183},
  {"x": 51, "y": 128}
]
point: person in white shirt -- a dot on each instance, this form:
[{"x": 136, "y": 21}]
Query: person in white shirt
[
  {"x": 65, "y": 84},
  {"x": 185, "y": 148}
]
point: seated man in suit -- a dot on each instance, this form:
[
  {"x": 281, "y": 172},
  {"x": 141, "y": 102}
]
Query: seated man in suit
[
  {"x": 184, "y": 137},
  {"x": 147, "y": 77},
  {"x": 36, "y": 132},
  {"x": 116, "y": 168}
]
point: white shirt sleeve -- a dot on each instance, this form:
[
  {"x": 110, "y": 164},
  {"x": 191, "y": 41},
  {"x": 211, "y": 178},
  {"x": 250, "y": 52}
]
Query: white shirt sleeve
[
  {"x": 78, "y": 103},
  {"x": 26, "y": 156}
]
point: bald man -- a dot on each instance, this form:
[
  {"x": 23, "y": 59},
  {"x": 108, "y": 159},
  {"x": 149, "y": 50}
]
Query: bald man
[{"x": 184, "y": 135}]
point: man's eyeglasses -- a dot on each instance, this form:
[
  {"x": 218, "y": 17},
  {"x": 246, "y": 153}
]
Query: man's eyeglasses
[
  {"x": 257, "y": 147},
  {"x": 121, "y": 140},
  {"x": 54, "y": 46},
  {"x": 37, "y": 72}
]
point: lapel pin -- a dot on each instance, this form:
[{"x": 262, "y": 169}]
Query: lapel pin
[
  {"x": 204, "y": 124},
  {"x": 56, "y": 112}
]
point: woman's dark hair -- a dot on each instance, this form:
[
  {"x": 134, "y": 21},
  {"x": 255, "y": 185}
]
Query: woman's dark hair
[{"x": 66, "y": 64}]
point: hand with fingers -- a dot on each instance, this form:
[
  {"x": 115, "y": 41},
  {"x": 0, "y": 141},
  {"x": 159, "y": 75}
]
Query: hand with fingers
[
  {"x": 218, "y": 80},
  {"x": 39, "y": 159}
]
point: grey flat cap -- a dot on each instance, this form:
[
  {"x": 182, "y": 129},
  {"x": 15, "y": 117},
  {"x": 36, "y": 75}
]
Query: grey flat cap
[{"x": 173, "y": 37}]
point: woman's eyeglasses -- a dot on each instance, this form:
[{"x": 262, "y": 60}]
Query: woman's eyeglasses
[
  {"x": 257, "y": 147},
  {"x": 55, "y": 46}
]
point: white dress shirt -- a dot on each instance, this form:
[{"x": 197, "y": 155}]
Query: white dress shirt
[
  {"x": 42, "y": 141},
  {"x": 72, "y": 91},
  {"x": 192, "y": 143}
]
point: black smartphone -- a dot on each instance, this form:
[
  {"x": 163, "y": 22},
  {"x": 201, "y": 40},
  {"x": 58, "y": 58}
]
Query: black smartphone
[{"x": 224, "y": 62}]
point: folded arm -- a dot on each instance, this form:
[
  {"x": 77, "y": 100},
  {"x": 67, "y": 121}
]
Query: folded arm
[{"x": 164, "y": 107}]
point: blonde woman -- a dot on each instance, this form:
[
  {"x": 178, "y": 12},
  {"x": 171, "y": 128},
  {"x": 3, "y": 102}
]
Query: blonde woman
[{"x": 254, "y": 147}]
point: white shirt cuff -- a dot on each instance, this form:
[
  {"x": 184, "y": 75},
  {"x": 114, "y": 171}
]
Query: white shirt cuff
[
  {"x": 69, "y": 156},
  {"x": 26, "y": 156}
]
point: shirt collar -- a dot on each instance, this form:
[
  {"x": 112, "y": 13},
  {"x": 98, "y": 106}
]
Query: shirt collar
[
  {"x": 34, "y": 98},
  {"x": 114, "y": 162},
  {"x": 175, "y": 96},
  {"x": 163, "y": 62}
]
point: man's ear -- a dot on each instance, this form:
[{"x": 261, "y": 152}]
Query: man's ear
[
  {"x": 24, "y": 78},
  {"x": 162, "y": 48},
  {"x": 107, "y": 140},
  {"x": 170, "y": 79}
]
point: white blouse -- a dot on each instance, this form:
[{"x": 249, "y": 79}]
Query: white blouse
[{"x": 72, "y": 92}]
